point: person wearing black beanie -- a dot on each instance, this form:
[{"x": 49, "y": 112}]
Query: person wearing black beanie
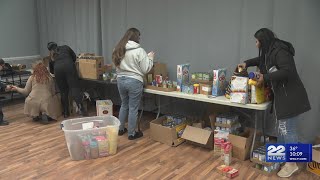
[{"x": 62, "y": 65}]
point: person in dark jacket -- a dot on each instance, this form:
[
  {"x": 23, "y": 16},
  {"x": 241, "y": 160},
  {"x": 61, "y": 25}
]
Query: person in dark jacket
[
  {"x": 65, "y": 72},
  {"x": 3, "y": 87},
  {"x": 278, "y": 70}
]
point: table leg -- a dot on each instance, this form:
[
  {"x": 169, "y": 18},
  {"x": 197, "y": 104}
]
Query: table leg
[
  {"x": 264, "y": 125},
  {"x": 158, "y": 97},
  {"x": 255, "y": 131}
]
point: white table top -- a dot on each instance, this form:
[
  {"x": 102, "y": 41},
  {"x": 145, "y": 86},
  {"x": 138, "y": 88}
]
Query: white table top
[{"x": 203, "y": 98}]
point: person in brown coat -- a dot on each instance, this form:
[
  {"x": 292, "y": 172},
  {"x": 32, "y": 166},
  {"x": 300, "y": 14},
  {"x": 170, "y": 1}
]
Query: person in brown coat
[{"x": 42, "y": 102}]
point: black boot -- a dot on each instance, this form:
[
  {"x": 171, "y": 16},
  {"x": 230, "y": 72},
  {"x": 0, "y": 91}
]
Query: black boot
[{"x": 82, "y": 110}]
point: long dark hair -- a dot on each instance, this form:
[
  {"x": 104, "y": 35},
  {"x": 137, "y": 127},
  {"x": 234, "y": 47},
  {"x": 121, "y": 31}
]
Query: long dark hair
[
  {"x": 53, "y": 49},
  {"x": 132, "y": 34},
  {"x": 266, "y": 38}
]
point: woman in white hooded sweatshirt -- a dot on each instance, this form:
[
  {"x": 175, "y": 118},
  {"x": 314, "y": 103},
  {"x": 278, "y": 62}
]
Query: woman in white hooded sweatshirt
[{"x": 132, "y": 63}]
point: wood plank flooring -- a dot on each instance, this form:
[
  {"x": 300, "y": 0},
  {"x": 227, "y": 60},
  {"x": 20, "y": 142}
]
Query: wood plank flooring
[{"x": 29, "y": 150}]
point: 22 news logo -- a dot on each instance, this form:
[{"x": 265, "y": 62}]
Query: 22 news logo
[{"x": 276, "y": 153}]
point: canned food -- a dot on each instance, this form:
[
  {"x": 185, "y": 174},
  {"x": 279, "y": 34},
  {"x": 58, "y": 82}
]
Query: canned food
[
  {"x": 196, "y": 89},
  {"x": 224, "y": 120},
  {"x": 262, "y": 157},
  {"x": 255, "y": 154}
]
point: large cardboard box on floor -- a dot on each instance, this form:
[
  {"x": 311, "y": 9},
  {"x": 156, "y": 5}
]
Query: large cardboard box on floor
[
  {"x": 198, "y": 136},
  {"x": 241, "y": 145},
  {"x": 91, "y": 67},
  {"x": 165, "y": 134},
  {"x": 314, "y": 166},
  {"x": 104, "y": 107}
]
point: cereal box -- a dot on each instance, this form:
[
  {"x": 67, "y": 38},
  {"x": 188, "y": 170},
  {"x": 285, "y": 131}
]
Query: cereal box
[{"x": 219, "y": 78}]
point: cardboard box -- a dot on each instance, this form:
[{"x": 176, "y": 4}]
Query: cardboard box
[
  {"x": 314, "y": 167},
  {"x": 160, "y": 88},
  {"x": 241, "y": 144},
  {"x": 183, "y": 75},
  {"x": 198, "y": 136},
  {"x": 219, "y": 82},
  {"x": 239, "y": 90},
  {"x": 205, "y": 89},
  {"x": 91, "y": 67},
  {"x": 316, "y": 154},
  {"x": 157, "y": 69},
  {"x": 164, "y": 134},
  {"x": 104, "y": 107}
]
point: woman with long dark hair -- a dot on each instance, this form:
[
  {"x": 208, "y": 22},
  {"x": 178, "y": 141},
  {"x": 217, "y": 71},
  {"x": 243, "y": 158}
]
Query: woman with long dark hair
[
  {"x": 278, "y": 70},
  {"x": 42, "y": 102},
  {"x": 62, "y": 64},
  {"x": 132, "y": 63}
]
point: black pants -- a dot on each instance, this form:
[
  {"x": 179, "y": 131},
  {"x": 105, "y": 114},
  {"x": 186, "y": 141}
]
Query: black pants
[{"x": 67, "y": 80}]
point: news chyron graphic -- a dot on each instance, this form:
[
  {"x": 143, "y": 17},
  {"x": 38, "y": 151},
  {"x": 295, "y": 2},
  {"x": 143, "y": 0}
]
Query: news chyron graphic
[{"x": 289, "y": 152}]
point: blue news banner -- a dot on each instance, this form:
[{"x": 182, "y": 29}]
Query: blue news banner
[{"x": 289, "y": 152}]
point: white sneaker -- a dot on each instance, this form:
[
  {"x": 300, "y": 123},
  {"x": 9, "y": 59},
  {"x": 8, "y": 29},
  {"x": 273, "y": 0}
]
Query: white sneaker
[{"x": 288, "y": 170}]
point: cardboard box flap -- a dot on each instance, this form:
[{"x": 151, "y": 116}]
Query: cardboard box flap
[
  {"x": 241, "y": 141},
  {"x": 197, "y": 135}
]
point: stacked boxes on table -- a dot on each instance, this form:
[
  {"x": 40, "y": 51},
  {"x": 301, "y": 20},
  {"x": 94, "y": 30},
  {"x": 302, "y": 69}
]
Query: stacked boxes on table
[
  {"x": 90, "y": 66},
  {"x": 239, "y": 90}
]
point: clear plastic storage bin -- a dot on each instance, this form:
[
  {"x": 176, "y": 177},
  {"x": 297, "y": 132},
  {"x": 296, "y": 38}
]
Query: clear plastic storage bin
[{"x": 91, "y": 137}]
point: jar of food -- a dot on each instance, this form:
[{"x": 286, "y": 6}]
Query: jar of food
[{"x": 196, "y": 88}]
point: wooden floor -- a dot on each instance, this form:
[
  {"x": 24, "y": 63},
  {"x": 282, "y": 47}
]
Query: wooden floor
[{"x": 29, "y": 150}]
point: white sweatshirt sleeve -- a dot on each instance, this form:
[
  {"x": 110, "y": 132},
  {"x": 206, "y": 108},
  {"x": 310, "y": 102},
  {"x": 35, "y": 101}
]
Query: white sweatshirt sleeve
[{"x": 145, "y": 63}]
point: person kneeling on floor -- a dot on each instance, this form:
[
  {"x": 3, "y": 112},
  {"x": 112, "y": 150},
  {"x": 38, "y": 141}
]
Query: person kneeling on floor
[{"x": 42, "y": 102}]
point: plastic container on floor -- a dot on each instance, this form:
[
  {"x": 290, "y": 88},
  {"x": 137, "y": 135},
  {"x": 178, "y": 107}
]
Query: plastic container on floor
[{"x": 91, "y": 137}]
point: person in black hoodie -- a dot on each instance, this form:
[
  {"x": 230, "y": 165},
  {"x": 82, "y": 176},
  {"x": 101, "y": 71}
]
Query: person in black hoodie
[
  {"x": 62, "y": 65},
  {"x": 290, "y": 99},
  {"x": 3, "y": 87}
]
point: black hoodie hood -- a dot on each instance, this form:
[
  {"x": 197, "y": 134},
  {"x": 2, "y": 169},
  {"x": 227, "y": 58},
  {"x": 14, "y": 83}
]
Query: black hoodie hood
[{"x": 280, "y": 44}]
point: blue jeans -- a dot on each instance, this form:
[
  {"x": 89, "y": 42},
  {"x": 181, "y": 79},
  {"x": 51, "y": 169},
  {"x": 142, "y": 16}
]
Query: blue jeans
[
  {"x": 287, "y": 130},
  {"x": 130, "y": 90}
]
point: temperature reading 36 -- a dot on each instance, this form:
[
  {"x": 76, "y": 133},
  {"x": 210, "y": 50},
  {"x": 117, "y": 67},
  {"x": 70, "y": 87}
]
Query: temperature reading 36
[{"x": 293, "y": 148}]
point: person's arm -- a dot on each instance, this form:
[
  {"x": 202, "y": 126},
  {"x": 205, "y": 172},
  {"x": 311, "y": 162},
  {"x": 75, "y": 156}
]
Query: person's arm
[
  {"x": 146, "y": 62},
  {"x": 27, "y": 89},
  {"x": 284, "y": 65},
  {"x": 73, "y": 55},
  {"x": 252, "y": 62}
]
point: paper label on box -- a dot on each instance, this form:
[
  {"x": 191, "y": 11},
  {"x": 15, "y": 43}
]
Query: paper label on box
[
  {"x": 206, "y": 89},
  {"x": 239, "y": 84},
  {"x": 238, "y": 98},
  {"x": 88, "y": 125}
]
